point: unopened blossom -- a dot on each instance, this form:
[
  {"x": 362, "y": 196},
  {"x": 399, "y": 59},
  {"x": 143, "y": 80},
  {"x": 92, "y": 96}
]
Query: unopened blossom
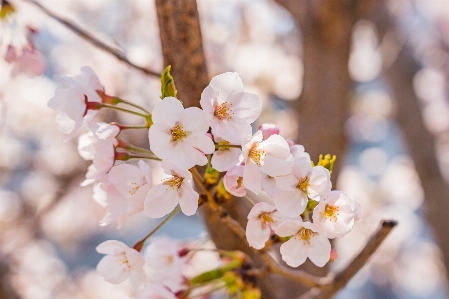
[
  {"x": 178, "y": 134},
  {"x": 126, "y": 195},
  {"x": 156, "y": 291},
  {"x": 233, "y": 181},
  {"x": 71, "y": 101},
  {"x": 230, "y": 110},
  {"x": 306, "y": 241},
  {"x": 335, "y": 215},
  {"x": 162, "y": 256},
  {"x": 262, "y": 220},
  {"x": 224, "y": 158},
  {"x": 163, "y": 198},
  {"x": 271, "y": 157},
  {"x": 302, "y": 183},
  {"x": 120, "y": 263},
  {"x": 268, "y": 130}
]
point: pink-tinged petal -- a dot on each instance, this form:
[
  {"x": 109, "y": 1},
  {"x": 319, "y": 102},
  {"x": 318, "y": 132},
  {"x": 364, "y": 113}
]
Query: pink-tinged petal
[
  {"x": 226, "y": 85},
  {"x": 138, "y": 199},
  {"x": 223, "y": 160},
  {"x": 287, "y": 182},
  {"x": 194, "y": 121},
  {"x": 156, "y": 291},
  {"x": 294, "y": 252},
  {"x": 268, "y": 130},
  {"x": 106, "y": 131},
  {"x": 90, "y": 84},
  {"x": 202, "y": 143},
  {"x": 112, "y": 247},
  {"x": 276, "y": 145},
  {"x": 259, "y": 208},
  {"x": 288, "y": 228},
  {"x": 172, "y": 169},
  {"x": 183, "y": 155},
  {"x": 167, "y": 111},
  {"x": 257, "y": 234},
  {"x": 320, "y": 250},
  {"x": 269, "y": 185},
  {"x": 246, "y": 106},
  {"x": 231, "y": 183},
  {"x": 145, "y": 170},
  {"x": 252, "y": 177},
  {"x": 112, "y": 269},
  {"x": 137, "y": 278},
  {"x": 277, "y": 166},
  {"x": 160, "y": 139},
  {"x": 302, "y": 168},
  {"x": 31, "y": 63},
  {"x": 86, "y": 148},
  {"x": 11, "y": 54},
  {"x": 161, "y": 200},
  {"x": 298, "y": 151},
  {"x": 104, "y": 156},
  {"x": 126, "y": 178},
  {"x": 188, "y": 200},
  {"x": 290, "y": 203},
  {"x": 235, "y": 131},
  {"x": 207, "y": 99},
  {"x": 319, "y": 182}
]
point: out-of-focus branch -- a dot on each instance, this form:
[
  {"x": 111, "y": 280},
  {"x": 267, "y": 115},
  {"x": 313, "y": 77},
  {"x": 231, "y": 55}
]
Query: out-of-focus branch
[
  {"x": 344, "y": 276},
  {"x": 92, "y": 39}
]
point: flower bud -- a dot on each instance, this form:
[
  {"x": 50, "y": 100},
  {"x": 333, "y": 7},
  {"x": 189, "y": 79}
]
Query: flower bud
[{"x": 268, "y": 130}]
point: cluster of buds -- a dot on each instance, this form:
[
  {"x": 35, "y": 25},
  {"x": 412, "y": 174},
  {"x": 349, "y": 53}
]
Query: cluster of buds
[{"x": 305, "y": 214}]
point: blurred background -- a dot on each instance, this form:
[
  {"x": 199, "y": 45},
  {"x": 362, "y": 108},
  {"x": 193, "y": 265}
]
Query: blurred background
[{"x": 366, "y": 80}]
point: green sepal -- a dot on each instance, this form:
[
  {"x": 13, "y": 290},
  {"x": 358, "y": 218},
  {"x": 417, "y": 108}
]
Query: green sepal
[{"x": 168, "y": 88}]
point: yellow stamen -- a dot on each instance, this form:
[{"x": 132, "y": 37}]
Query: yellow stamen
[
  {"x": 331, "y": 212},
  {"x": 176, "y": 181},
  {"x": 134, "y": 188},
  {"x": 303, "y": 184},
  {"x": 178, "y": 133},
  {"x": 239, "y": 182},
  {"x": 224, "y": 111},
  {"x": 305, "y": 234},
  {"x": 256, "y": 154}
]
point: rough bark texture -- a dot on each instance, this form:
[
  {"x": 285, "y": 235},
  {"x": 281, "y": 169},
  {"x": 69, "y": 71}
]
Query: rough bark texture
[{"x": 182, "y": 47}]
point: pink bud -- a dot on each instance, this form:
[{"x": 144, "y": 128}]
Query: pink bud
[
  {"x": 334, "y": 255},
  {"x": 268, "y": 130},
  {"x": 209, "y": 135},
  {"x": 290, "y": 142}
]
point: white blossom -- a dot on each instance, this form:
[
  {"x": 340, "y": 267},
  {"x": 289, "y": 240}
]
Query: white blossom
[
  {"x": 233, "y": 181},
  {"x": 163, "y": 198},
  {"x": 335, "y": 215},
  {"x": 306, "y": 241},
  {"x": 120, "y": 263},
  {"x": 271, "y": 156},
  {"x": 156, "y": 291},
  {"x": 230, "y": 110},
  {"x": 178, "y": 134},
  {"x": 302, "y": 183},
  {"x": 224, "y": 158}
]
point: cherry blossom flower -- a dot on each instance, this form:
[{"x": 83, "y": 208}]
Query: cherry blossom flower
[
  {"x": 230, "y": 110},
  {"x": 224, "y": 158},
  {"x": 178, "y": 134},
  {"x": 120, "y": 263},
  {"x": 233, "y": 181},
  {"x": 303, "y": 182},
  {"x": 29, "y": 61},
  {"x": 262, "y": 220},
  {"x": 71, "y": 101},
  {"x": 298, "y": 151},
  {"x": 268, "y": 130},
  {"x": 162, "y": 256},
  {"x": 156, "y": 291},
  {"x": 163, "y": 198},
  {"x": 271, "y": 157},
  {"x": 335, "y": 215},
  {"x": 127, "y": 192},
  {"x": 269, "y": 185},
  {"x": 306, "y": 241}
]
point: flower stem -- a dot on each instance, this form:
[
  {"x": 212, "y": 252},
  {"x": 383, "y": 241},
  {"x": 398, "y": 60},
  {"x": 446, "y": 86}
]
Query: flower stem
[
  {"x": 133, "y": 105},
  {"x": 128, "y": 146},
  {"x": 139, "y": 245},
  {"x": 227, "y": 146},
  {"x": 121, "y": 156},
  {"x": 125, "y": 110},
  {"x": 248, "y": 199},
  {"x": 133, "y": 127}
]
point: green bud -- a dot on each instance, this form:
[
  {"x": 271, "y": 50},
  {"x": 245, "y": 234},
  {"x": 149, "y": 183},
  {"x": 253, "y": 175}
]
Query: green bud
[
  {"x": 327, "y": 162},
  {"x": 168, "y": 88}
]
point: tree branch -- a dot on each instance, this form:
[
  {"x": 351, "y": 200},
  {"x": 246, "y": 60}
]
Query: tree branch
[
  {"x": 92, "y": 39},
  {"x": 344, "y": 276}
]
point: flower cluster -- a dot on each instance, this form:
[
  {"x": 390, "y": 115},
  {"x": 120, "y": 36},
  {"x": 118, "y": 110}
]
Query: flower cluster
[{"x": 305, "y": 214}]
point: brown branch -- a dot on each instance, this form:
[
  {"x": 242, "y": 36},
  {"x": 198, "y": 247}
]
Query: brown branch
[
  {"x": 92, "y": 39},
  {"x": 344, "y": 276}
]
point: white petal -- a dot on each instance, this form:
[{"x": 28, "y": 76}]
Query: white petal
[
  {"x": 259, "y": 208},
  {"x": 223, "y": 160},
  {"x": 288, "y": 228},
  {"x": 235, "y": 130},
  {"x": 256, "y": 234},
  {"x": 167, "y": 111},
  {"x": 112, "y": 247},
  {"x": 207, "y": 99},
  {"x": 290, "y": 203},
  {"x": 320, "y": 183},
  {"x": 112, "y": 270},
  {"x": 226, "y": 84},
  {"x": 320, "y": 250},
  {"x": 252, "y": 177},
  {"x": 294, "y": 252},
  {"x": 246, "y": 106},
  {"x": 125, "y": 177},
  {"x": 161, "y": 200},
  {"x": 194, "y": 121},
  {"x": 202, "y": 143},
  {"x": 188, "y": 199},
  {"x": 287, "y": 182},
  {"x": 277, "y": 167}
]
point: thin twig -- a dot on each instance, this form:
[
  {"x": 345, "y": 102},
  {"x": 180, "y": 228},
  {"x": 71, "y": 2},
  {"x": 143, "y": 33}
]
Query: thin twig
[
  {"x": 344, "y": 276},
  {"x": 92, "y": 39}
]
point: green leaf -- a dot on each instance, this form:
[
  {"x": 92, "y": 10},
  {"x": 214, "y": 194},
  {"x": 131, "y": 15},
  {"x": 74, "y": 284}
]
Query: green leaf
[{"x": 168, "y": 88}]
